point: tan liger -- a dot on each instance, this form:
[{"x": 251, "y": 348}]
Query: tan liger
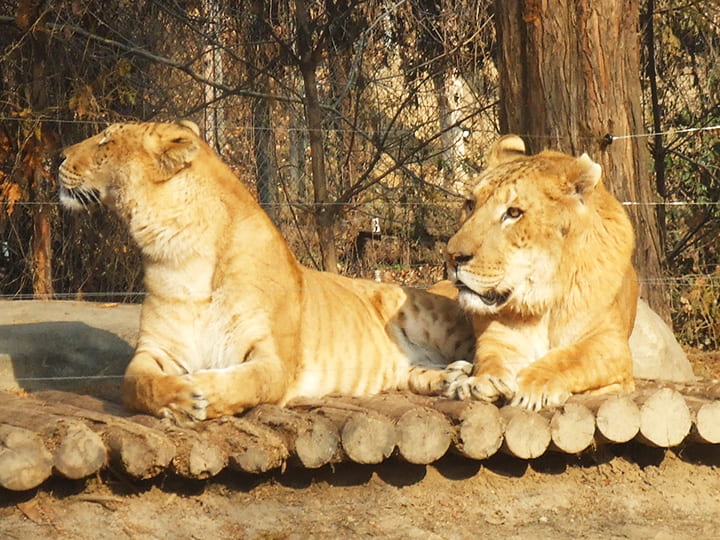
[
  {"x": 543, "y": 263},
  {"x": 231, "y": 319}
]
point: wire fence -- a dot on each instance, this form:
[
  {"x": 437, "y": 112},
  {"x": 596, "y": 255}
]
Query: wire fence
[{"x": 375, "y": 242}]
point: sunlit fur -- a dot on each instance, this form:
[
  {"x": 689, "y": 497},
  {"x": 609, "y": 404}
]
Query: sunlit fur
[
  {"x": 231, "y": 319},
  {"x": 543, "y": 262}
]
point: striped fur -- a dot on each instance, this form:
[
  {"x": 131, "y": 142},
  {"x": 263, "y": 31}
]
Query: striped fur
[
  {"x": 543, "y": 262},
  {"x": 232, "y": 319}
]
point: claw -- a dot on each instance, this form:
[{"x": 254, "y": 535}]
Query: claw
[{"x": 462, "y": 366}]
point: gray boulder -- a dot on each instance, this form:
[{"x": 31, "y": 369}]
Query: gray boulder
[{"x": 656, "y": 353}]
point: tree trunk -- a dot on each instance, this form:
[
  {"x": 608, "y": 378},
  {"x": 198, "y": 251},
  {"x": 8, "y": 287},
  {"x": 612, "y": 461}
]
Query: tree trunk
[
  {"x": 569, "y": 75},
  {"x": 324, "y": 211},
  {"x": 448, "y": 91},
  {"x": 213, "y": 71},
  {"x": 264, "y": 134},
  {"x": 38, "y": 149},
  {"x": 42, "y": 253},
  {"x": 265, "y": 160}
]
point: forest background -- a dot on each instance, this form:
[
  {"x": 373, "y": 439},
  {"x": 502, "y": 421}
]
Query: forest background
[{"x": 357, "y": 124}]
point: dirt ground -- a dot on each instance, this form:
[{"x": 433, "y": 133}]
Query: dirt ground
[{"x": 628, "y": 491}]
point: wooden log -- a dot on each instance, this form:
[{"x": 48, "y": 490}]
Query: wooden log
[
  {"x": 81, "y": 451},
  {"x": 77, "y": 451},
  {"x": 617, "y": 418},
  {"x": 140, "y": 451},
  {"x": 366, "y": 437},
  {"x": 572, "y": 428},
  {"x": 81, "y": 401},
  {"x": 709, "y": 390},
  {"x": 25, "y": 463},
  {"x": 249, "y": 447},
  {"x": 198, "y": 452},
  {"x": 479, "y": 426},
  {"x": 527, "y": 433},
  {"x": 664, "y": 418},
  {"x": 706, "y": 420},
  {"x": 311, "y": 438},
  {"x": 196, "y": 456},
  {"x": 423, "y": 434}
]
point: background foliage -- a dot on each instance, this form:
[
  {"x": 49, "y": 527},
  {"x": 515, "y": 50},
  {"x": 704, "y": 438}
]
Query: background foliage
[{"x": 356, "y": 124}]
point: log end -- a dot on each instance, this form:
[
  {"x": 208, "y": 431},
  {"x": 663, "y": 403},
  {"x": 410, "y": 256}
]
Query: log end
[
  {"x": 707, "y": 423},
  {"x": 572, "y": 428},
  {"x": 368, "y": 438},
  {"x": 318, "y": 445},
  {"x": 423, "y": 435},
  {"x": 664, "y": 418},
  {"x": 618, "y": 419},
  {"x": 80, "y": 454},
  {"x": 25, "y": 463},
  {"x": 481, "y": 430},
  {"x": 527, "y": 433}
]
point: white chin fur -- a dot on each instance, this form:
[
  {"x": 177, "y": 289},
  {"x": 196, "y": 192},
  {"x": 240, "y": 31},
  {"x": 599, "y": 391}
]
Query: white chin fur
[
  {"x": 472, "y": 302},
  {"x": 69, "y": 202}
]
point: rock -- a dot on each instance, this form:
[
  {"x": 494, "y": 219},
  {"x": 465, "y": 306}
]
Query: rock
[{"x": 656, "y": 353}]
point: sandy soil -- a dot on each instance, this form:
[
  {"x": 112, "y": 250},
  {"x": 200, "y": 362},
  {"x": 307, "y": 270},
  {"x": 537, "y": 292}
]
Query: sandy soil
[{"x": 624, "y": 492}]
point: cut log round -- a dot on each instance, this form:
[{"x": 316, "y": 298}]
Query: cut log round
[
  {"x": 368, "y": 438},
  {"x": 204, "y": 460},
  {"x": 572, "y": 428},
  {"x": 479, "y": 427},
  {"x": 249, "y": 447},
  {"x": 25, "y": 463},
  {"x": 664, "y": 419},
  {"x": 617, "y": 419},
  {"x": 706, "y": 425},
  {"x": 139, "y": 451},
  {"x": 423, "y": 435},
  {"x": 310, "y": 437},
  {"x": 527, "y": 433},
  {"x": 319, "y": 444},
  {"x": 81, "y": 452},
  {"x": 77, "y": 450}
]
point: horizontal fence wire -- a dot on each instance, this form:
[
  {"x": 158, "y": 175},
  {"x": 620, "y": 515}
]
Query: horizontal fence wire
[
  {"x": 456, "y": 204},
  {"x": 608, "y": 136},
  {"x": 137, "y": 295}
]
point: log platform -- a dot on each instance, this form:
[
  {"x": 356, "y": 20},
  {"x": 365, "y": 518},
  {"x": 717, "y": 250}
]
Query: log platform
[{"x": 74, "y": 436}]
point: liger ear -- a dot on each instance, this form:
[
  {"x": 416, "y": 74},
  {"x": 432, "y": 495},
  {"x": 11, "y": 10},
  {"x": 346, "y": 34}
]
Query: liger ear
[
  {"x": 584, "y": 175},
  {"x": 177, "y": 147},
  {"x": 507, "y": 148},
  {"x": 192, "y": 126}
]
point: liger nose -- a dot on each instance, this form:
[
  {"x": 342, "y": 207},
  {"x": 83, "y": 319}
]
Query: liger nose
[{"x": 458, "y": 259}]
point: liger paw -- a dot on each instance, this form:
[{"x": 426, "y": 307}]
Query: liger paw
[
  {"x": 188, "y": 406},
  {"x": 538, "y": 389},
  {"x": 484, "y": 386}
]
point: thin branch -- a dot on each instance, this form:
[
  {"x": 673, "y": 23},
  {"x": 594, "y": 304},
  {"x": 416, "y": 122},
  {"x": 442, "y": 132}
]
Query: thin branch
[{"x": 143, "y": 53}]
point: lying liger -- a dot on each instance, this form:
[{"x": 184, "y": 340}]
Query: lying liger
[
  {"x": 231, "y": 319},
  {"x": 543, "y": 264}
]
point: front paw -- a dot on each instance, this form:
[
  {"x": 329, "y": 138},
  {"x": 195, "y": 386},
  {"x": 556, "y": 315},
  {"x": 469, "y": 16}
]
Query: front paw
[
  {"x": 485, "y": 385},
  {"x": 188, "y": 405},
  {"x": 539, "y": 388}
]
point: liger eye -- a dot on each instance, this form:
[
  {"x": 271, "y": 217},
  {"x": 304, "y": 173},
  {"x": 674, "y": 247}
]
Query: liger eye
[
  {"x": 469, "y": 206},
  {"x": 512, "y": 213},
  {"x": 467, "y": 209}
]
